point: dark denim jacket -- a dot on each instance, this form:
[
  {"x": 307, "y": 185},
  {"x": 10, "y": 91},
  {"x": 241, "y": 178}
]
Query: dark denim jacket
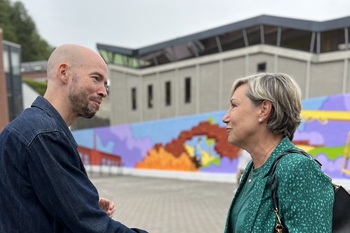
[{"x": 43, "y": 184}]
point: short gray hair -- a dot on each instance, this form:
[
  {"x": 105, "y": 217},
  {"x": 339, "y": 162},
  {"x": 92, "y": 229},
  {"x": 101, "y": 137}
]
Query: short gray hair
[{"x": 284, "y": 94}]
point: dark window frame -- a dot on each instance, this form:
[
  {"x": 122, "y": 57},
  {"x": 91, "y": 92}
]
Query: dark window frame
[
  {"x": 167, "y": 93},
  {"x": 188, "y": 90},
  {"x": 150, "y": 96},
  {"x": 261, "y": 67},
  {"x": 133, "y": 98}
]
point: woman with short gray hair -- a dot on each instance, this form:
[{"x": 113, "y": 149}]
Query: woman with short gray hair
[{"x": 263, "y": 116}]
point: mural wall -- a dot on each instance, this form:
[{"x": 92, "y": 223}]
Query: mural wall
[{"x": 198, "y": 143}]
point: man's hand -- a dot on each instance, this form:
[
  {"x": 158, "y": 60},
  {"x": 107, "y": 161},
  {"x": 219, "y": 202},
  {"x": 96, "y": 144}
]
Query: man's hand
[{"x": 107, "y": 206}]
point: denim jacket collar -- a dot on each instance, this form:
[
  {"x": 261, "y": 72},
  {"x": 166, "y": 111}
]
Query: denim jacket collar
[{"x": 46, "y": 106}]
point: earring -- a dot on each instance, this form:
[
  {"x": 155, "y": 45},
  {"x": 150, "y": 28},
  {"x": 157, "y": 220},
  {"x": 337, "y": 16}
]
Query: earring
[{"x": 260, "y": 120}]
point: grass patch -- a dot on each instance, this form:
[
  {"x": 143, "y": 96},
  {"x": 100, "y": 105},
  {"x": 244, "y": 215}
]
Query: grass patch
[{"x": 39, "y": 87}]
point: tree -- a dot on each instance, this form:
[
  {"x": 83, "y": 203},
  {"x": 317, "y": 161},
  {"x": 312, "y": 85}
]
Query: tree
[
  {"x": 5, "y": 24},
  {"x": 18, "y": 27}
]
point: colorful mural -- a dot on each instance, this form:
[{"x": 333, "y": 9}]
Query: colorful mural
[
  {"x": 198, "y": 143},
  {"x": 326, "y": 127}
]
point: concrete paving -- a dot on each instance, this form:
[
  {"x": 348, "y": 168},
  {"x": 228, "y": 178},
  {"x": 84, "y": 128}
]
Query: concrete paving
[{"x": 161, "y": 205}]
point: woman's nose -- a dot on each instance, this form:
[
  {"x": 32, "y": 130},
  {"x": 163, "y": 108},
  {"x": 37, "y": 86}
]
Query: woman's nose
[{"x": 225, "y": 119}]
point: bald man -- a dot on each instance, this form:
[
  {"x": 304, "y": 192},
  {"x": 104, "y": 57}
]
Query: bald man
[{"x": 43, "y": 184}]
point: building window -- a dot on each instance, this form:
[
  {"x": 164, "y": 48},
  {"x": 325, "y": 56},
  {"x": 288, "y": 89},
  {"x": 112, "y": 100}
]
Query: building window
[
  {"x": 262, "y": 67},
  {"x": 150, "y": 96},
  {"x": 168, "y": 93},
  {"x": 133, "y": 98},
  {"x": 16, "y": 62},
  {"x": 187, "y": 90},
  {"x": 6, "y": 61}
]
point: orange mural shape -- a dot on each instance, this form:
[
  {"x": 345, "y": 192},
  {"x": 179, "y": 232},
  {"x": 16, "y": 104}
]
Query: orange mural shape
[
  {"x": 174, "y": 156},
  {"x": 159, "y": 158}
]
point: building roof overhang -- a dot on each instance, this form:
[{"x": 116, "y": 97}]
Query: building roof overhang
[{"x": 307, "y": 25}]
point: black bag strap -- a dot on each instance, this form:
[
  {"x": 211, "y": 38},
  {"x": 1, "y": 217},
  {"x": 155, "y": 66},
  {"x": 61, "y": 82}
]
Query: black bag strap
[{"x": 272, "y": 171}]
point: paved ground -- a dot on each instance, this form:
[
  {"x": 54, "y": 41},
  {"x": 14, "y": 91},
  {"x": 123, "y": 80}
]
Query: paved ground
[{"x": 167, "y": 205}]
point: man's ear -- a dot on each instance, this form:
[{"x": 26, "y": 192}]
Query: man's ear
[
  {"x": 62, "y": 72},
  {"x": 265, "y": 110}
]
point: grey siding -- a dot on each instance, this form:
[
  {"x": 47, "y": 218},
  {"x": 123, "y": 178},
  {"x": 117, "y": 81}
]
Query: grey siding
[
  {"x": 212, "y": 77},
  {"x": 295, "y": 68},
  {"x": 233, "y": 69},
  {"x": 326, "y": 78},
  {"x": 209, "y": 87}
]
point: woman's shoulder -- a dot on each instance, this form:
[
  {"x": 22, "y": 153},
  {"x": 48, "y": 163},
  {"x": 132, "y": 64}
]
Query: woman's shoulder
[
  {"x": 297, "y": 161},
  {"x": 297, "y": 167}
]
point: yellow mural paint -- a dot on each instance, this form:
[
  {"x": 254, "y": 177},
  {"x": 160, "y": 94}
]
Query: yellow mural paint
[
  {"x": 189, "y": 149},
  {"x": 207, "y": 158},
  {"x": 346, "y": 163},
  {"x": 324, "y": 116},
  {"x": 305, "y": 148}
]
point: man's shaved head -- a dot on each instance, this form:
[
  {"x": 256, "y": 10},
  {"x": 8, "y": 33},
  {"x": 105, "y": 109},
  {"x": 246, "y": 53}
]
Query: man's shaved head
[{"x": 71, "y": 54}]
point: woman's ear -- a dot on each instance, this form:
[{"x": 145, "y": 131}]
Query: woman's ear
[{"x": 265, "y": 109}]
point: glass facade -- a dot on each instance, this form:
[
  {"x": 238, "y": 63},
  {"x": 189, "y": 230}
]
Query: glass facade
[
  {"x": 302, "y": 37},
  {"x": 232, "y": 40},
  {"x": 296, "y": 39},
  {"x": 271, "y": 35},
  {"x": 331, "y": 40},
  {"x": 12, "y": 68}
]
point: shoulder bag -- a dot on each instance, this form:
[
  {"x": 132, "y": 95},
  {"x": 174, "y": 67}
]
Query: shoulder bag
[{"x": 341, "y": 208}]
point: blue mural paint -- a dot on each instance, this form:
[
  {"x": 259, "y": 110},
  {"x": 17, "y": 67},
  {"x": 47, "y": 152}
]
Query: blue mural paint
[{"x": 136, "y": 143}]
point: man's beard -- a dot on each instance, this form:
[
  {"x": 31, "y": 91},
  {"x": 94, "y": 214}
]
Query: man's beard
[{"x": 80, "y": 102}]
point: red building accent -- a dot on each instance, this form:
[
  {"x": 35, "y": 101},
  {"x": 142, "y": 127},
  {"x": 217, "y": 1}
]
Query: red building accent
[
  {"x": 4, "y": 116},
  {"x": 95, "y": 157}
]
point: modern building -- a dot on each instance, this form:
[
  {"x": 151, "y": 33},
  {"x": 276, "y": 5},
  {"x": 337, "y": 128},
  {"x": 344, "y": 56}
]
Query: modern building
[
  {"x": 12, "y": 65},
  {"x": 35, "y": 70},
  {"x": 194, "y": 74},
  {"x": 4, "y": 115}
]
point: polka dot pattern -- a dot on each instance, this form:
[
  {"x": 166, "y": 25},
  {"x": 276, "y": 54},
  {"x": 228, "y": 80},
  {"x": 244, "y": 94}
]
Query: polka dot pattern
[{"x": 304, "y": 192}]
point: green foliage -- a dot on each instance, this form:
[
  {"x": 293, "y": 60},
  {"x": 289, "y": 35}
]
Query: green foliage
[
  {"x": 211, "y": 120},
  {"x": 331, "y": 152},
  {"x": 210, "y": 141},
  {"x": 5, "y": 24},
  {"x": 39, "y": 87},
  {"x": 216, "y": 162},
  {"x": 18, "y": 27}
]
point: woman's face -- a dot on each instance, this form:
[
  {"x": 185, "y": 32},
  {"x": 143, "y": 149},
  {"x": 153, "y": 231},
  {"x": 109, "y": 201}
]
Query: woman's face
[{"x": 242, "y": 118}]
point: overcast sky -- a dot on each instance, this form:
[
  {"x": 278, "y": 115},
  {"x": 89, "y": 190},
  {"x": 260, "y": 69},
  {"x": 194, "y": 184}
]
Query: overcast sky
[{"x": 138, "y": 23}]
